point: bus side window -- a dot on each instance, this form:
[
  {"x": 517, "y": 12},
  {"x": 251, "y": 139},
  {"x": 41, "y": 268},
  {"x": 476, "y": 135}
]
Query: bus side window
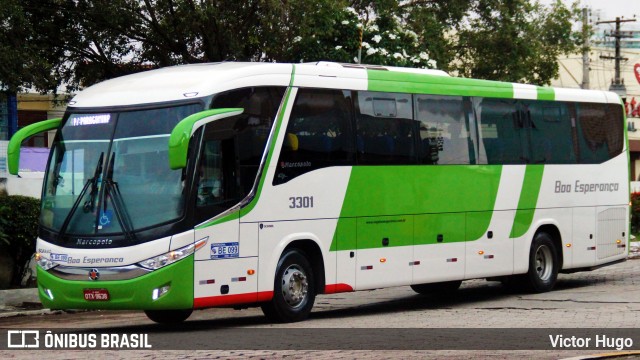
[
  {"x": 386, "y": 132},
  {"x": 551, "y": 140},
  {"x": 599, "y": 136},
  {"x": 502, "y": 130},
  {"x": 444, "y": 133},
  {"x": 318, "y": 134}
]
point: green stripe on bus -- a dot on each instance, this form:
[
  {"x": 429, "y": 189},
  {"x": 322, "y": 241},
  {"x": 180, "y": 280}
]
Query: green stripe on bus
[
  {"x": 528, "y": 200},
  {"x": 417, "y": 194},
  {"x": 391, "y": 81},
  {"x": 546, "y": 93}
]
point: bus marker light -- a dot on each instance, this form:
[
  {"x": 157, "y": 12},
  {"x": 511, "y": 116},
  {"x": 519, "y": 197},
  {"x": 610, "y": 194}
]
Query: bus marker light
[
  {"x": 414, "y": 263},
  {"x": 480, "y": 252},
  {"x": 241, "y": 278},
  {"x": 157, "y": 293},
  {"x": 251, "y": 272},
  {"x": 206, "y": 282},
  {"x": 618, "y": 241},
  {"x": 367, "y": 267},
  {"x": 200, "y": 243},
  {"x": 488, "y": 256},
  {"x": 452, "y": 260},
  {"x": 382, "y": 260},
  {"x": 591, "y": 248},
  {"x": 568, "y": 245}
]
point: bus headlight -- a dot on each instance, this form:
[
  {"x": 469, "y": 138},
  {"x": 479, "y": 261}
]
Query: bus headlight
[
  {"x": 169, "y": 258},
  {"x": 44, "y": 263}
]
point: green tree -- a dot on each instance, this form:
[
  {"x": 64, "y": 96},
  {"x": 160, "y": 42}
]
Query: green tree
[
  {"x": 46, "y": 43},
  {"x": 515, "y": 40},
  {"x": 29, "y": 53}
]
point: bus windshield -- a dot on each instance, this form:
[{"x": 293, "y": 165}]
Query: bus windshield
[{"x": 107, "y": 165}]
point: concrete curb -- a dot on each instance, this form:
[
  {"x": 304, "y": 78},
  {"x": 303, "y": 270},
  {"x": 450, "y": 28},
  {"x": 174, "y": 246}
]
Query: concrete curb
[
  {"x": 18, "y": 297},
  {"x": 20, "y": 312}
]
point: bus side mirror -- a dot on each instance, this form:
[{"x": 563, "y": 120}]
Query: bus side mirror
[
  {"x": 13, "y": 150},
  {"x": 182, "y": 132}
]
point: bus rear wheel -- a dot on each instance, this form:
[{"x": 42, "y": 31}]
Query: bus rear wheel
[
  {"x": 293, "y": 291},
  {"x": 168, "y": 316},
  {"x": 543, "y": 264},
  {"x": 441, "y": 288}
]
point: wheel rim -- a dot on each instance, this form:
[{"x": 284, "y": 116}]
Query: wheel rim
[
  {"x": 295, "y": 286},
  {"x": 544, "y": 262}
]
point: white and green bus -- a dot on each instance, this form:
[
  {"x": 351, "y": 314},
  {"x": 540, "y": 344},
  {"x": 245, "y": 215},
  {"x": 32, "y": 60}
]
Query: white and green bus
[{"x": 258, "y": 184}]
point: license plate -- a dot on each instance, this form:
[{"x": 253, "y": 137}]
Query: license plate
[
  {"x": 225, "y": 250},
  {"x": 96, "y": 294}
]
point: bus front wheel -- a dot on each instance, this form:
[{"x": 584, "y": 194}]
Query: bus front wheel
[
  {"x": 543, "y": 264},
  {"x": 168, "y": 316},
  {"x": 294, "y": 289}
]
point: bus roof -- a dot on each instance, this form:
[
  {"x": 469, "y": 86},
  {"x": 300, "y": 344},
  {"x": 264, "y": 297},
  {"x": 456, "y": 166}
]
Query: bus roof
[{"x": 182, "y": 82}]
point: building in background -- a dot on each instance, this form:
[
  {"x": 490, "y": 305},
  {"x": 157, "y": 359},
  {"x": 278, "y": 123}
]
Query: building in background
[{"x": 15, "y": 113}]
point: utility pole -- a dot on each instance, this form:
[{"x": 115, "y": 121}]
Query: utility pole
[
  {"x": 585, "y": 48},
  {"x": 617, "y": 85}
]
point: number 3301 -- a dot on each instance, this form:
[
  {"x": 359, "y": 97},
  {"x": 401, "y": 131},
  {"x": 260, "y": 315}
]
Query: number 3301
[{"x": 301, "y": 202}]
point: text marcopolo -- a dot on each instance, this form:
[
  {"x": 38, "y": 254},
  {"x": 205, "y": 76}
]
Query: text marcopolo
[{"x": 585, "y": 188}]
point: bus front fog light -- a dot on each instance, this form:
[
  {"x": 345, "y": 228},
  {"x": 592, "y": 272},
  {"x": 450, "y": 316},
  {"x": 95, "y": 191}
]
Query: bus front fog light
[{"x": 158, "y": 292}]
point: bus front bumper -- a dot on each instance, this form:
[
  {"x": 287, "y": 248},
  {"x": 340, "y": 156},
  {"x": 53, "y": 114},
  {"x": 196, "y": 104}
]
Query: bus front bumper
[{"x": 170, "y": 287}]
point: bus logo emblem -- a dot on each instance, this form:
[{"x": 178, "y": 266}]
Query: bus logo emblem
[{"x": 94, "y": 274}]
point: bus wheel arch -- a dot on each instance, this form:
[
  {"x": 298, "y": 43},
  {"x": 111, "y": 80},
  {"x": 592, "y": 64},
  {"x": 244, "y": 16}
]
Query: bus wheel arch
[
  {"x": 545, "y": 260},
  {"x": 311, "y": 249},
  {"x": 298, "y": 278},
  {"x": 556, "y": 238}
]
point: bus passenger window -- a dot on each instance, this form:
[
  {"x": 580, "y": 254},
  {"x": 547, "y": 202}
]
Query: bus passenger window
[
  {"x": 502, "y": 131},
  {"x": 444, "y": 135},
  {"x": 599, "y": 135},
  {"x": 318, "y": 134},
  {"x": 385, "y": 129},
  {"x": 551, "y": 140}
]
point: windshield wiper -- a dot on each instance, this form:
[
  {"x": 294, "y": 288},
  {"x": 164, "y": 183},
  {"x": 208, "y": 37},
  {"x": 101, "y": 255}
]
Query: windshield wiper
[
  {"x": 89, "y": 205},
  {"x": 94, "y": 188},
  {"x": 111, "y": 190}
]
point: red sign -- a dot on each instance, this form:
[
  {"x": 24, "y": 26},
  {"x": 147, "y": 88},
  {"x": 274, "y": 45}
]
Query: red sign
[
  {"x": 636, "y": 71},
  {"x": 96, "y": 294}
]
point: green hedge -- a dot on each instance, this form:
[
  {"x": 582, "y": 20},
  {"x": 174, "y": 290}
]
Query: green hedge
[{"x": 19, "y": 230}]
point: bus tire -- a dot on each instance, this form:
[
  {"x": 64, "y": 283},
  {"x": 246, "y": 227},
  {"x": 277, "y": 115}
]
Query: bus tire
[
  {"x": 543, "y": 264},
  {"x": 293, "y": 290},
  {"x": 440, "y": 288},
  {"x": 168, "y": 316}
]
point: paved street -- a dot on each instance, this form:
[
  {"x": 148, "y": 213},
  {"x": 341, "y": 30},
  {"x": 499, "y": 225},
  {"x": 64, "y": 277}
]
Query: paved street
[{"x": 604, "y": 298}]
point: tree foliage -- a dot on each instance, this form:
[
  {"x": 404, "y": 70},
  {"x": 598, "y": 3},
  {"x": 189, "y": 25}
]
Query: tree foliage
[
  {"x": 19, "y": 230},
  {"x": 515, "y": 40},
  {"x": 46, "y": 43}
]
